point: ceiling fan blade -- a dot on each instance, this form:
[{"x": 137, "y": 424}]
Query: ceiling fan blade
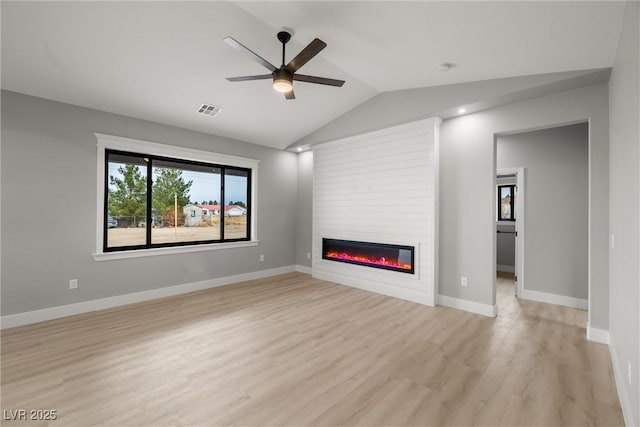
[
  {"x": 318, "y": 80},
  {"x": 246, "y": 78},
  {"x": 306, "y": 54},
  {"x": 290, "y": 95},
  {"x": 259, "y": 59}
]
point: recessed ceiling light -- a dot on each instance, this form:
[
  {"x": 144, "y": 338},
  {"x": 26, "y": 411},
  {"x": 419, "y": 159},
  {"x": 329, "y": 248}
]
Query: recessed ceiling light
[
  {"x": 461, "y": 111},
  {"x": 209, "y": 110},
  {"x": 299, "y": 149}
]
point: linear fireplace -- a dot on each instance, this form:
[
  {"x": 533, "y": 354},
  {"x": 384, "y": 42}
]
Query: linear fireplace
[{"x": 377, "y": 255}]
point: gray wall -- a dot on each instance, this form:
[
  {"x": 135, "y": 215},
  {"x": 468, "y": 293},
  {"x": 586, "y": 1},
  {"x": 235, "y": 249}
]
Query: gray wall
[
  {"x": 305, "y": 208},
  {"x": 49, "y": 208},
  {"x": 505, "y": 238},
  {"x": 556, "y": 206},
  {"x": 402, "y": 106},
  {"x": 467, "y": 196},
  {"x": 624, "y": 276}
]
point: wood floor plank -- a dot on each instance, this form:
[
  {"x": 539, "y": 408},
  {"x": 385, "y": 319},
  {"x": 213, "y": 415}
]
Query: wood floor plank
[{"x": 293, "y": 350}]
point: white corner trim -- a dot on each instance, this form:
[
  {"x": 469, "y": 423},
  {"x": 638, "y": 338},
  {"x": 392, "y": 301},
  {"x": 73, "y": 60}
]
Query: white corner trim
[
  {"x": 597, "y": 335},
  {"x": 566, "y": 301},
  {"x": 466, "y": 305},
  {"x": 29, "y": 317},
  {"x": 303, "y": 269},
  {"x": 620, "y": 386},
  {"x": 107, "y": 256},
  {"x": 507, "y": 268}
]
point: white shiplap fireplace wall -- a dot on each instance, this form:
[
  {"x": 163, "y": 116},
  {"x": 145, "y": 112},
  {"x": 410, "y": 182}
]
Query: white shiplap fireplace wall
[{"x": 380, "y": 187}]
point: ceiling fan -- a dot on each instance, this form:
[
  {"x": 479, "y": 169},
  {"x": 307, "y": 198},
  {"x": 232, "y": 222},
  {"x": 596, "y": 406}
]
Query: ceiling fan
[{"x": 284, "y": 76}]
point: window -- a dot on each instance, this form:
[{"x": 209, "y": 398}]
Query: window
[
  {"x": 506, "y": 202},
  {"x": 235, "y": 213},
  {"x": 126, "y": 201},
  {"x": 155, "y": 201},
  {"x": 151, "y": 200}
]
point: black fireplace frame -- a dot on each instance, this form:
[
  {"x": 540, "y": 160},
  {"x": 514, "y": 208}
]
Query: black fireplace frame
[{"x": 328, "y": 241}]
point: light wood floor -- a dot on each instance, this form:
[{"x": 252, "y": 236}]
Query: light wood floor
[{"x": 292, "y": 350}]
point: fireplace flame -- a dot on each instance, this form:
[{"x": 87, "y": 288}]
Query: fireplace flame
[{"x": 368, "y": 260}]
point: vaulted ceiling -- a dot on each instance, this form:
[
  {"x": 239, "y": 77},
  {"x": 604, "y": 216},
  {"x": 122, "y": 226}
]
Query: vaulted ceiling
[{"x": 160, "y": 61}]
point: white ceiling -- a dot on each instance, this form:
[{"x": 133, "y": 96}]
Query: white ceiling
[{"x": 160, "y": 60}]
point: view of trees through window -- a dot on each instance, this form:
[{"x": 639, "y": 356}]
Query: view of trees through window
[{"x": 164, "y": 202}]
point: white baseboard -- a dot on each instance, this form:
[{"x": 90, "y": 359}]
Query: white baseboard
[
  {"x": 597, "y": 335},
  {"x": 376, "y": 287},
  {"x": 619, "y": 374},
  {"x": 566, "y": 301},
  {"x": 507, "y": 268},
  {"x": 466, "y": 305},
  {"x": 29, "y": 317},
  {"x": 303, "y": 269}
]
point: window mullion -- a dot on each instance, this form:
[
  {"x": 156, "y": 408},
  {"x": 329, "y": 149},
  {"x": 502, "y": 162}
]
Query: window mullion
[
  {"x": 105, "y": 207},
  {"x": 223, "y": 203},
  {"x": 149, "y": 212},
  {"x": 513, "y": 202},
  {"x": 249, "y": 207}
]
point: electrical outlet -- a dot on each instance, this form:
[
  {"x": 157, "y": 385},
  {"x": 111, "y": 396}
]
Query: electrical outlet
[
  {"x": 73, "y": 284},
  {"x": 463, "y": 281},
  {"x": 261, "y": 258},
  {"x": 308, "y": 255},
  {"x": 629, "y": 370}
]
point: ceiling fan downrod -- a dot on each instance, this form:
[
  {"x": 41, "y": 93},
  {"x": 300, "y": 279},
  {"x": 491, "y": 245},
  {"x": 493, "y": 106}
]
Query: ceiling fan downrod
[{"x": 284, "y": 37}]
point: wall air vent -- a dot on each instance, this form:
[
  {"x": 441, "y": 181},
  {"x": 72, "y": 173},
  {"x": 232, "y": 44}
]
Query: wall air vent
[{"x": 209, "y": 110}]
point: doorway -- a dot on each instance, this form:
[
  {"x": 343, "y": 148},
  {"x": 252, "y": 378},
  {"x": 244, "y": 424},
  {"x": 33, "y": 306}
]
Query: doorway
[
  {"x": 555, "y": 232},
  {"x": 509, "y": 217}
]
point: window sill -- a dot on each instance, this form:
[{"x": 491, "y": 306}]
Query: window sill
[{"x": 108, "y": 256}]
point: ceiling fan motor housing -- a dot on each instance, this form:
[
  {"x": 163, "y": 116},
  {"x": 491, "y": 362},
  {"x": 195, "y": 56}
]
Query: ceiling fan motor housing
[{"x": 282, "y": 74}]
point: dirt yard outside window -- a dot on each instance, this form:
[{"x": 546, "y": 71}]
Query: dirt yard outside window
[{"x": 234, "y": 228}]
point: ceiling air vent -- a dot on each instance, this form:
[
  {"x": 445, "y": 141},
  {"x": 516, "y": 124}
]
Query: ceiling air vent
[{"x": 209, "y": 110}]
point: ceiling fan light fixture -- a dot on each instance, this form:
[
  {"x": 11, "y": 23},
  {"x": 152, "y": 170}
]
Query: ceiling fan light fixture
[
  {"x": 282, "y": 81},
  {"x": 282, "y": 85}
]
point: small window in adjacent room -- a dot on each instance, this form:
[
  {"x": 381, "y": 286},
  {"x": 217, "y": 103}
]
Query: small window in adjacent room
[{"x": 506, "y": 202}]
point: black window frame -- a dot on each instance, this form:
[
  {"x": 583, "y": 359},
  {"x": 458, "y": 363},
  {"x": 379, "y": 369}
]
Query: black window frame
[
  {"x": 149, "y": 211},
  {"x": 512, "y": 194}
]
